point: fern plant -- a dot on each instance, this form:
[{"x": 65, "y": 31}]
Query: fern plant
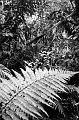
[{"x": 21, "y": 97}]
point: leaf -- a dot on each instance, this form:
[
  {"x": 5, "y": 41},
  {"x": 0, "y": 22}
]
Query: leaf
[
  {"x": 6, "y": 117},
  {"x": 24, "y": 108},
  {"x": 22, "y": 97},
  {"x": 12, "y": 114}
]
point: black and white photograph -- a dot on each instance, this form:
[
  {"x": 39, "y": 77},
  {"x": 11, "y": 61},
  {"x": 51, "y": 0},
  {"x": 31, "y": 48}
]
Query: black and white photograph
[{"x": 39, "y": 59}]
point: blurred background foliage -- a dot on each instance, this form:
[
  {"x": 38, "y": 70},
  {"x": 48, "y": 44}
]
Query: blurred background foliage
[
  {"x": 39, "y": 32},
  {"x": 44, "y": 33}
]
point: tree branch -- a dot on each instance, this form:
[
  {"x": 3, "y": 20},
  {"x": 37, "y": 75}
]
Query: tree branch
[
  {"x": 34, "y": 40},
  {"x": 56, "y": 25}
]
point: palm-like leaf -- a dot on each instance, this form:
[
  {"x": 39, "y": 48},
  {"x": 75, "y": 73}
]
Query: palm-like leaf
[{"x": 21, "y": 97}]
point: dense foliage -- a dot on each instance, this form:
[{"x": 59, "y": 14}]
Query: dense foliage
[
  {"x": 39, "y": 31},
  {"x": 45, "y": 34}
]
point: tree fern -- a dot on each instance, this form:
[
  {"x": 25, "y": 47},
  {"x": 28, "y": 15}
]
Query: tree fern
[{"x": 24, "y": 96}]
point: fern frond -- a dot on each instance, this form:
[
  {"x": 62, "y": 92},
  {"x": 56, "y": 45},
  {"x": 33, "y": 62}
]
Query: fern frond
[
  {"x": 21, "y": 97},
  {"x": 59, "y": 107},
  {"x": 3, "y": 68}
]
